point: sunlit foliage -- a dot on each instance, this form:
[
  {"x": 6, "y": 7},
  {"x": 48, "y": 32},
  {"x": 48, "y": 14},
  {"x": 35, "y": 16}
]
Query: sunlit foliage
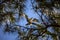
[{"x": 12, "y": 11}]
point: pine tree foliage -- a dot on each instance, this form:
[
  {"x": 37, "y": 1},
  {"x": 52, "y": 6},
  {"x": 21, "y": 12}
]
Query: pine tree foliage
[{"x": 50, "y": 8}]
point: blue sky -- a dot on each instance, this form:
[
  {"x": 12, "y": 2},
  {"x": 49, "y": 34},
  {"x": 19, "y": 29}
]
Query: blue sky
[{"x": 31, "y": 14}]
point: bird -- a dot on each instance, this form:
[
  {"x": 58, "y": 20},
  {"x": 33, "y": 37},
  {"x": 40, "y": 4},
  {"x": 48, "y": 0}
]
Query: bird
[{"x": 30, "y": 20}]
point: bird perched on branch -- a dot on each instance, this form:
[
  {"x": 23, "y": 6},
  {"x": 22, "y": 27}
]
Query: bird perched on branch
[{"x": 30, "y": 20}]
